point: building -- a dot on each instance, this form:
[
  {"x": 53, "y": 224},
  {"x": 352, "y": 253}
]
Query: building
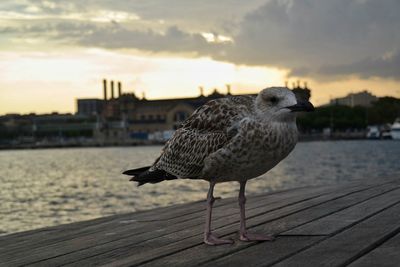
[
  {"x": 302, "y": 94},
  {"x": 89, "y": 107},
  {"x": 128, "y": 117},
  {"x": 43, "y": 130},
  {"x": 125, "y": 117},
  {"x": 364, "y": 99}
]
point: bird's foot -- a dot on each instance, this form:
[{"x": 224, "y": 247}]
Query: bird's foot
[
  {"x": 213, "y": 240},
  {"x": 255, "y": 237}
]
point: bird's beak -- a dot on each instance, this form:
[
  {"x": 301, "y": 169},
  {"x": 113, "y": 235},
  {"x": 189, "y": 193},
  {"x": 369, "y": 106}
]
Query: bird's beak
[{"x": 302, "y": 106}]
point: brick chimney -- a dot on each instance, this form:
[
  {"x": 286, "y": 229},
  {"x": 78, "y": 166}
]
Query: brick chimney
[
  {"x": 119, "y": 90},
  {"x": 112, "y": 89},
  {"x": 201, "y": 90},
  {"x": 105, "y": 89},
  {"x": 228, "y": 89}
]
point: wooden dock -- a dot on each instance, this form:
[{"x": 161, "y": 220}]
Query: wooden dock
[{"x": 355, "y": 224}]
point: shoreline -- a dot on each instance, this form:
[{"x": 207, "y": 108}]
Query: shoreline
[{"x": 153, "y": 143}]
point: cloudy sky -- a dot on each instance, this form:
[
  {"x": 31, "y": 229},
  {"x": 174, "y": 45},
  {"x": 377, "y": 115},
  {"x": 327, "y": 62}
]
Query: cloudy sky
[{"x": 52, "y": 52}]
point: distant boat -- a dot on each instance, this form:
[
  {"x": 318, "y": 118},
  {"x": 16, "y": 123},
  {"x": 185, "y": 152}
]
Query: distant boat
[
  {"x": 386, "y": 134},
  {"x": 373, "y": 132},
  {"x": 395, "y": 129}
]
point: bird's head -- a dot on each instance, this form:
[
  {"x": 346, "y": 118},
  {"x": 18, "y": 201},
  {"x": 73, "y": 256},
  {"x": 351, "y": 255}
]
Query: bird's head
[{"x": 280, "y": 104}]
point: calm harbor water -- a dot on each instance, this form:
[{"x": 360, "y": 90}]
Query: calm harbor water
[{"x": 41, "y": 188}]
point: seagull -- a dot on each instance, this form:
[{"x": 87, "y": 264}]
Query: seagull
[{"x": 236, "y": 138}]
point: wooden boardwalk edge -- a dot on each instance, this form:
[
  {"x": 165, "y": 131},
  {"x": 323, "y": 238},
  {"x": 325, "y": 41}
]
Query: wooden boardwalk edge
[{"x": 354, "y": 224}]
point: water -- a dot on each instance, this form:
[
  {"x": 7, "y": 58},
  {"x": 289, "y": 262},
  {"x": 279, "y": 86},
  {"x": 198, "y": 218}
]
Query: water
[{"x": 41, "y": 188}]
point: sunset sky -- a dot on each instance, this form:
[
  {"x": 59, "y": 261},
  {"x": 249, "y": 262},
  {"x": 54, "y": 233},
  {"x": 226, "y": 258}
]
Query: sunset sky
[{"x": 52, "y": 52}]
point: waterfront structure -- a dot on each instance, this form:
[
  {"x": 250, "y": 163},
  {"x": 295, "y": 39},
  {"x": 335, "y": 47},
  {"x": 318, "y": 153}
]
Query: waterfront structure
[
  {"x": 89, "y": 106},
  {"x": 44, "y": 130},
  {"x": 128, "y": 117},
  {"x": 125, "y": 116},
  {"x": 364, "y": 99},
  {"x": 118, "y": 118},
  {"x": 302, "y": 94}
]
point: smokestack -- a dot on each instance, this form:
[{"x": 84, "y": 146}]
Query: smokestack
[
  {"x": 201, "y": 90},
  {"x": 112, "y": 89},
  {"x": 286, "y": 84},
  {"x": 119, "y": 90},
  {"x": 298, "y": 83},
  {"x": 105, "y": 89},
  {"x": 305, "y": 85},
  {"x": 228, "y": 89}
]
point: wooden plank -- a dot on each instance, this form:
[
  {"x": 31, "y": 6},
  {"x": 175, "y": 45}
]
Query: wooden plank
[
  {"x": 160, "y": 248},
  {"x": 333, "y": 223},
  {"x": 96, "y": 236},
  {"x": 78, "y": 244},
  {"x": 135, "y": 220},
  {"x": 151, "y": 218},
  {"x": 200, "y": 254},
  {"x": 104, "y": 222},
  {"x": 133, "y": 224},
  {"x": 259, "y": 254},
  {"x": 255, "y": 255},
  {"x": 349, "y": 245},
  {"x": 385, "y": 255},
  {"x": 154, "y": 214}
]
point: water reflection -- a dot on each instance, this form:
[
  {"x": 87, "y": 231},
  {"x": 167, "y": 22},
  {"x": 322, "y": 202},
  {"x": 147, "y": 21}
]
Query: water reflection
[{"x": 49, "y": 187}]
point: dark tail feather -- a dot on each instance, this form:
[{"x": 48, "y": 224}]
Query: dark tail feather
[
  {"x": 135, "y": 172},
  {"x": 144, "y": 175}
]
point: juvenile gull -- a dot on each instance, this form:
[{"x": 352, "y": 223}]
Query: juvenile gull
[{"x": 229, "y": 139}]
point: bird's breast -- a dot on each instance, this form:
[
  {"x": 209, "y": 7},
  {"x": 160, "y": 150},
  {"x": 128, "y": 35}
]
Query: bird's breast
[{"x": 252, "y": 153}]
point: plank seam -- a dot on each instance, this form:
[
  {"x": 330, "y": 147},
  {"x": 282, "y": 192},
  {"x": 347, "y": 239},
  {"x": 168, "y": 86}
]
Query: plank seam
[
  {"x": 293, "y": 203},
  {"x": 249, "y": 245},
  {"x": 194, "y": 245},
  {"x": 347, "y": 207},
  {"x": 327, "y": 236},
  {"x": 371, "y": 247},
  {"x": 271, "y": 210},
  {"x": 335, "y": 233}
]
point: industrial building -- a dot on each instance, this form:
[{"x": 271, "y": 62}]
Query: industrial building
[
  {"x": 124, "y": 117},
  {"x": 117, "y": 119}
]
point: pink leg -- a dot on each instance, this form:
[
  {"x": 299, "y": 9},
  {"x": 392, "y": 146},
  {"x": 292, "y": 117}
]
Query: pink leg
[
  {"x": 210, "y": 238},
  {"x": 244, "y": 235}
]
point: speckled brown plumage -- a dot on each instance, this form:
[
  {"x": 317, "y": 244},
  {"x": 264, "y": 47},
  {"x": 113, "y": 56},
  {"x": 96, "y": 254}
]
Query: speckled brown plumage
[
  {"x": 230, "y": 139},
  {"x": 206, "y": 131},
  {"x": 225, "y": 140}
]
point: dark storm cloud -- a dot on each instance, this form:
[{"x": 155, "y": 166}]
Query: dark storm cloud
[
  {"x": 304, "y": 35},
  {"x": 388, "y": 67},
  {"x": 173, "y": 40},
  {"x": 318, "y": 38}
]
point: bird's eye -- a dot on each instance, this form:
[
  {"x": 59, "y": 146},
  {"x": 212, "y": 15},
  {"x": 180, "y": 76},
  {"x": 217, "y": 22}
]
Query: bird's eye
[{"x": 273, "y": 99}]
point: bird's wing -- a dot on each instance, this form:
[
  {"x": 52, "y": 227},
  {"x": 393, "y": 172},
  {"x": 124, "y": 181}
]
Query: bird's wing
[
  {"x": 208, "y": 129},
  {"x": 219, "y": 114}
]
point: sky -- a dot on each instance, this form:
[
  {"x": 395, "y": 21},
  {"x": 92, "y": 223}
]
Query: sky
[{"x": 53, "y": 52}]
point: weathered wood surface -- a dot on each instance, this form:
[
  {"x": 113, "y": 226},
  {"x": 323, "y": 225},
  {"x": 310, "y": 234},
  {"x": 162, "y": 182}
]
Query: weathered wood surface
[{"x": 356, "y": 224}]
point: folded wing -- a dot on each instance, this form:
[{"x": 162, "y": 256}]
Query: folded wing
[{"x": 208, "y": 129}]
